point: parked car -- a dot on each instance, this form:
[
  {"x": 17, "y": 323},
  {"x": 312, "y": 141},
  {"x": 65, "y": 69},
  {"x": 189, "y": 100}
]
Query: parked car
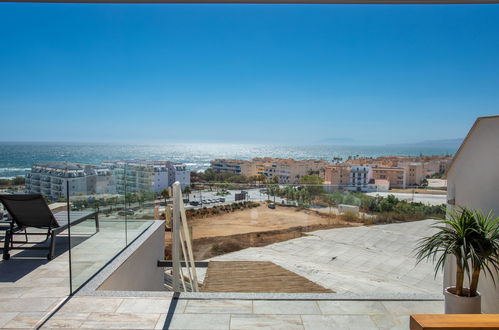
[
  {"x": 194, "y": 203},
  {"x": 126, "y": 212},
  {"x": 271, "y": 206},
  {"x": 222, "y": 200}
]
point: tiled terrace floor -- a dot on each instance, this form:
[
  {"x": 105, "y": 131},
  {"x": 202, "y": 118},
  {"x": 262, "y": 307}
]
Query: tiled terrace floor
[
  {"x": 151, "y": 313},
  {"x": 31, "y": 286}
]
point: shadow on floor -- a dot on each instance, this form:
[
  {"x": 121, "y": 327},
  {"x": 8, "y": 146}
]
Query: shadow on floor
[{"x": 23, "y": 262}]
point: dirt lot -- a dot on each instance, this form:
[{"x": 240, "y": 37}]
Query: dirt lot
[
  {"x": 258, "y": 219},
  {"x": 259, "y": 226}
]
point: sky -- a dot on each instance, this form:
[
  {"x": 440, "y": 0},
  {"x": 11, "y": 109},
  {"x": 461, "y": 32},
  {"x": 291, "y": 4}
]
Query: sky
[{"x": 361, "y": 74}]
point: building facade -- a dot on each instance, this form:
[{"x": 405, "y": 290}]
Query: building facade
[
  {"x": 51, "y": 179},
  {"x": 395, "y": 175},
  {"x": 337, "y": 176},
  {"x": 235, "y": 166},
  {"x": 360, "y": 176},
  {"x": 415, "y": 173},
  {"x": 285, "y": 170},
  {"x": 147, "y": 175}
]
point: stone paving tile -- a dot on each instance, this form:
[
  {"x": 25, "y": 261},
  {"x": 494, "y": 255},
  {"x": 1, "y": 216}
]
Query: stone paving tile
[
  {"x": 6, "y": 317},
  {"x": 274, "y": 322},
  {"x": 27, "y": 304},
  {"x": 43, "y": 281},
  {"x": 66, "y": 320},
  {"x": 369, "y": 260},
  {"x": 285, "y": 307},
  {"x": 92, "y": 304},
  {"x": 414, "y": 307},
  {"x": 391, "y": 322},
  {"x": 27, "y": 320},
  {"x": 121, "y": 321},
  {"x": 63, "y": 323},
  {"x": 219, "y": 306},
  {"x": 161, "y": 322},
  {"x": 45, "y": 292},
  {"x": 200, "y": 321},
  {"x": 343, "y": 322},
  {"x": 352, "y": 307},
  {"x": 144, "y": 305},
  {"x": 12, "y": 292}
]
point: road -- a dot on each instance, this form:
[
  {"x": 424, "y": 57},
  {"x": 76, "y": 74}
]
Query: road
[
  {"x": 417, "y": 198},
  {"x": 253, "y": 195}
]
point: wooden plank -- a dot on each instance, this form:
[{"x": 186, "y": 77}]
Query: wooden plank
[
  {"x": 190, "y": 256},
  {"x": 454, "y": 321},
  {"x": 255, "y": 276},
  {"x": 176, "y": 237}
]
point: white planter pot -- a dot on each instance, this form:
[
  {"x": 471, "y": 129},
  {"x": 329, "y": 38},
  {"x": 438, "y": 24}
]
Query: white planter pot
[{"x": 455, "y": 304}]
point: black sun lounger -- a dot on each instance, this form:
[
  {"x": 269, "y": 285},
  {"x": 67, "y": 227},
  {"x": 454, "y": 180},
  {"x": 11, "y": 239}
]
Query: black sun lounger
[{"x": 31, "y": 210}]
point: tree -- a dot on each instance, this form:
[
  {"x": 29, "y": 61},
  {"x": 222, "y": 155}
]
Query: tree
[
  {"x": 313, "y": 184},
  {"x": 165, "y": 193},
  {"x": 187, "y": 191},
  {"x": 112, "y": 202},
  {"x": 18, "y": 181}
]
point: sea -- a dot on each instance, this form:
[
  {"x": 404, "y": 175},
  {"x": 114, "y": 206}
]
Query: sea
[{"x": 16, "y": 158}]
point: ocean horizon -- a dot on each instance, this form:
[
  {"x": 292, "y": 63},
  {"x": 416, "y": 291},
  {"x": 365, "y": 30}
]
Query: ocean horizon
[{"x": 16, "y": 158}]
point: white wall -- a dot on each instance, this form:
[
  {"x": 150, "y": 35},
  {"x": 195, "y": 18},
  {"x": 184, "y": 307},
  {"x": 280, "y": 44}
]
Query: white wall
[
  {"x": 140, "y": 271},
  {"x": 473, "y": 181},
  {"x": 183, "y": 177},
  {"x": 161, "y": 181}
]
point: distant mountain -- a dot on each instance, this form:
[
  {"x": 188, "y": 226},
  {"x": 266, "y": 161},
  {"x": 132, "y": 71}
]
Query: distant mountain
[{"x": 443, "y": 143}]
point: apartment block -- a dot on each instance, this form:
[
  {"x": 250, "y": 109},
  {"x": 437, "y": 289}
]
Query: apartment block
[
  {"x": 50, "y": 179},
  {"x": 285, "y": 170},
  {"x": 415, "y": 173},
  {"x": 288, "y": 170},
  {"x": 147, "y": 175},
  {"x": 395, "y": 175},
  {"x": 337, "y": 175},
  {"x": 235, "y": 166},
  {"x": 360, "y": 176}
]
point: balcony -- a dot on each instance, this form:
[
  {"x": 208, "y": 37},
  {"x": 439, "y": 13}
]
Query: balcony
[{"x": 343, "y": 273}]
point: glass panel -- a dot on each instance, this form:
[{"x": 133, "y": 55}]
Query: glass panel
[
  {"x": 305, "y": 237},
  {"x": 122, "y": 210},
  {"x": 98, "y": 230}
]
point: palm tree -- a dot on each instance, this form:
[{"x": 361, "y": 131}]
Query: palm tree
[
  {"x": 187, "y": 191},
  {"x": 472, "y": 238},
  {"x": 165, "y": 193}
]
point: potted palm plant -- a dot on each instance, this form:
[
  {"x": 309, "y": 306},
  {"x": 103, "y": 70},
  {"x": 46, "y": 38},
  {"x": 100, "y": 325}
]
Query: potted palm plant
[{"x": 471, "y": 238}]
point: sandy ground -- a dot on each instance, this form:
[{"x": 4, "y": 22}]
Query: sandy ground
[{"x": 258, "y": 219}]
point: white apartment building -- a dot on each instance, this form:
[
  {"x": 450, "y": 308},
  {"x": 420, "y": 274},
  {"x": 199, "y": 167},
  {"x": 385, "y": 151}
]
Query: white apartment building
[
  {"x": 147, "y": 175},
  {"x": 50, "y": 179},
  {"x": 360, "y": 176}
]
